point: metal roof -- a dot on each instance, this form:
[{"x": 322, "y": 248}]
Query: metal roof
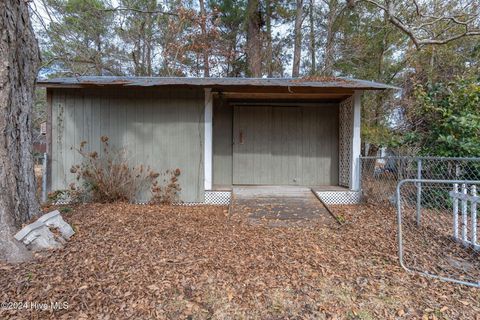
[{"x": 307, "y": 82}]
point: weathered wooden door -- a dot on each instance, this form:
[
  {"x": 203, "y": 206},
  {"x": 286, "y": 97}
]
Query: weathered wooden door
[
  {"x": 252, "y": 136},
  {"x": 285, "y": 145}
]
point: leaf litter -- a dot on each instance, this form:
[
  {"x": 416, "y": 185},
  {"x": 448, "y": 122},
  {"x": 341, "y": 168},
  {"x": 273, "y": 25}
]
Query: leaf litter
[{"x": 180, "y": 262}]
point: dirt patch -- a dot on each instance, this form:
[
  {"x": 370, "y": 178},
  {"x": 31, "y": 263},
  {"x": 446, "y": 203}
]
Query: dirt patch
[{"x": 128, "y": 261}]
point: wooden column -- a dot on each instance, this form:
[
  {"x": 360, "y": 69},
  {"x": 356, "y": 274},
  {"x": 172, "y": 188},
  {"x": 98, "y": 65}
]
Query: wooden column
[
  {"x": 208, "y": 145},
  {"x": 356, "y": 143}
]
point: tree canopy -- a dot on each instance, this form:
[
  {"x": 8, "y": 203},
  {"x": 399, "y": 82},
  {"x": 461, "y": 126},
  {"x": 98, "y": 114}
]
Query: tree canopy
[{"x": 419, "y": 46}]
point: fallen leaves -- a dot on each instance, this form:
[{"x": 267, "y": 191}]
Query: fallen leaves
[
  {"x": 131, "y": 261},
  {"x": 153, "y": 287}
]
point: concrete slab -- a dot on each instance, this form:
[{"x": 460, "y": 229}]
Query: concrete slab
[{"x": 279, "y": 203}]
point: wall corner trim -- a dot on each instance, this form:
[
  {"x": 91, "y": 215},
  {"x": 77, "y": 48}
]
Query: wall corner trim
[
  {"x": 356, "y": 142},
  {"x": 208, "y": 145}
]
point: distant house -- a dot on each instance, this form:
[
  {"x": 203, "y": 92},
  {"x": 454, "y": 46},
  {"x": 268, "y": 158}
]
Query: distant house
[{"x": 220, "y": 132}]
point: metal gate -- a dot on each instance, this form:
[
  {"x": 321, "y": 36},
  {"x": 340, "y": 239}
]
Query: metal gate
[{"x": 438, "y": 229}]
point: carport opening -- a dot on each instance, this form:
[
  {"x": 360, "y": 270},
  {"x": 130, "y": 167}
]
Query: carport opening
[{"x": 284, "y": 139}]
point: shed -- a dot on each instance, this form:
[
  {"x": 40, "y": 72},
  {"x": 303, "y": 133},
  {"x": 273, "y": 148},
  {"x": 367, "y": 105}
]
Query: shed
[{"x": 220, "y": 132}]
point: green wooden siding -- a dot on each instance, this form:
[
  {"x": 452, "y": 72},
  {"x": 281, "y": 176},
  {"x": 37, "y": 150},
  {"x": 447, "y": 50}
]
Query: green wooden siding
[
  {"x": 252, "y": 156},
  {"x": 160, "y": 128},
  {"x": 285, "y": 145},
  {"x": 222, "y": 143}
]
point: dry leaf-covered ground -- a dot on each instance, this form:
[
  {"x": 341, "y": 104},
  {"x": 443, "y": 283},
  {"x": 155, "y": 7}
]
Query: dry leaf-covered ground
[{"x": 143, "y": 262}]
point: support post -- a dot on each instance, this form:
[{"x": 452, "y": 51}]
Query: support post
[
  {"x": 356, "y": 143},
  {"x": 208, "y": 145},
  {"x": 464, "y": 214},
  {"x": 44, "y": 177},
  {"x": 419, "y": 192},
  {"x": 455, "y": 212},
  {"x": 474, "y": 218}
]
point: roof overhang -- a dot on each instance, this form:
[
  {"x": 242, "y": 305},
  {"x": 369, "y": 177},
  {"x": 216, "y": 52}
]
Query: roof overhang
[{"x": 309, "y": 85}]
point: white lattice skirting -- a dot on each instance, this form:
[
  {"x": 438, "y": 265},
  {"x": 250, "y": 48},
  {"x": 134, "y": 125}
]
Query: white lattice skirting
[
  {"x": 218, "y": 197},
  {"x": 214, "y": 198},
  {"x": 223, "y": 198},
  {"x": 340, "y": 197}
]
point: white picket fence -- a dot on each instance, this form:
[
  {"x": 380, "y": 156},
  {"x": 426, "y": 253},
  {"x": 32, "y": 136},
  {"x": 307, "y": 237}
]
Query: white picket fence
[{"x": 465, "y": 202}]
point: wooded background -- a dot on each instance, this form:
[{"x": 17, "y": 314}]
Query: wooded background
[{"x": 429, "y": 48}]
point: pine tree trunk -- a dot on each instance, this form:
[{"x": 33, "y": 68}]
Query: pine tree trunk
[
  {"x": 329, "y": 45},
  {"x": 254, "y": 43},
  {"x": 206, "y": 44},
  {"x": 313, "y": 49},
  {"x": 148, "y": 41},
  {"x": 18, "y": 70},
  {"x": 297, "y": 50},
  {"x": 268, "y": 23}
]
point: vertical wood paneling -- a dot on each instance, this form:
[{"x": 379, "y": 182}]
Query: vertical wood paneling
[
  {"x": 286, "y": 150},
  {"x": 222, "y": 143},
  {"x": 55, "y": 154},
  {"x": 49, "y": 167},
  {"x": 261, "y": 140},
  {"x": 95, "y": 130},
  {"x": 148, "y": 131},
  {"x": 131, "y": 124},
  {"x": 185, "y": 141},
  {"x": 156, "y": 128},
  {"x": 69, "y": 138},
  {"x": 286, "y": 145},
  {"x": 58, "y": 140},
  {"x": 122, "y": 122},
  {"x": 88, "y": 123},
  {"x": 78, "y": 128},
  {"x": 310, "y": 138},
  {"x": 63, "y": 137},
  {"x": 140, "y": 134},
  {"x": 252, "y": 152},
  {"x": 112, "y": 132},
  {"x": 104, "y": 105}
]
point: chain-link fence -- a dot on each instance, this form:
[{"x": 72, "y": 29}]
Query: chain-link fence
[
  {"x": 380, "y": 175},
  {"x": 437, "y": 211},
  {"x": 439, "y": 238}
]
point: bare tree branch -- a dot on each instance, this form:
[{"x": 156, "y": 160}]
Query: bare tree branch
[
  {"x": 119, "y": 8},
  {"x": 423, "y": 30}
]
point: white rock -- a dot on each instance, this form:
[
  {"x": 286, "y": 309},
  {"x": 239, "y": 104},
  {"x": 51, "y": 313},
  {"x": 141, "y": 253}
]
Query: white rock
[
  {"x": 55, "y": 220},
  {"x": 37, "y": 236}
]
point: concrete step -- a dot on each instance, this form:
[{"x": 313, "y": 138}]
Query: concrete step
[{"x": 286, "y": 203}]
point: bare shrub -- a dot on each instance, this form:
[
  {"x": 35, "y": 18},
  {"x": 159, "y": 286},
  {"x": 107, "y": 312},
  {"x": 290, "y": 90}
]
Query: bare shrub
[
  {"x": 107, "y": 177},
  {"x": 170, "y": 191}
]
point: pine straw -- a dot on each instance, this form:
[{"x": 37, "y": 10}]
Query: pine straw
[{"x": 145, "y": 262}]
